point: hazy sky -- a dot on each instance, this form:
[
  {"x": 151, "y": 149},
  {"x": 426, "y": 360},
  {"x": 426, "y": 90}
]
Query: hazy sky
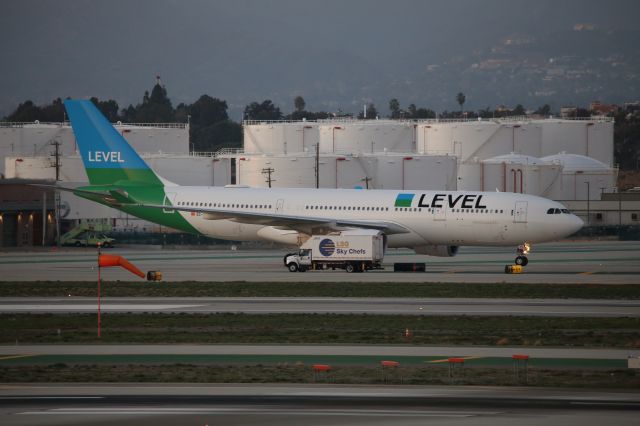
[{"x": 245, "y": 51}]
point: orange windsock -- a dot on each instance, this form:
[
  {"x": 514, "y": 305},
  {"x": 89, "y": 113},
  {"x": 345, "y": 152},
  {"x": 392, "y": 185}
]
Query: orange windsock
[{"x": 105, "y": 260}]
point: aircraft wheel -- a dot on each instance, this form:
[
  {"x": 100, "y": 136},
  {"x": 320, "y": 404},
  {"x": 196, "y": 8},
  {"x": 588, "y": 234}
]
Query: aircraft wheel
[
  {"x": 522, "y": 260},
  {"x": 349, "y": 267},
  {"x": 292, "y": 267}
]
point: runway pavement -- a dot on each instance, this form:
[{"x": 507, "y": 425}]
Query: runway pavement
[
  {"x": 581, "y": 262},
  {"x": 132, "y": 404},
  {"x": 9, "y": 351},
  {"x": 378, "y": 306}
]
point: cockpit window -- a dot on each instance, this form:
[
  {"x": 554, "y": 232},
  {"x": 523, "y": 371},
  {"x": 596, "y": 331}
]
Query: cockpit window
[
  {"x": 565, "y": 211},
  {"x": 557, "y": 211}
]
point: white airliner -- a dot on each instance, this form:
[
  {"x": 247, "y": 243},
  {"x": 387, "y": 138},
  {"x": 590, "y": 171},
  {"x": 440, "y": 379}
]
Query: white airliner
[{"x": 430, "y": 222}]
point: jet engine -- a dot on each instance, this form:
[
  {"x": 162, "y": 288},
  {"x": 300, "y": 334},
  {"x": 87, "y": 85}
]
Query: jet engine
[{"x": 437, "y": 250}]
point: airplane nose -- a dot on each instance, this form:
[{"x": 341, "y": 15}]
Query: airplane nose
[{"x": 577, "y": 223}]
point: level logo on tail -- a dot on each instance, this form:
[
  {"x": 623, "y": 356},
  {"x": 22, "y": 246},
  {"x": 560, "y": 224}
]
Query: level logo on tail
[{"x": 107, "y": 156}]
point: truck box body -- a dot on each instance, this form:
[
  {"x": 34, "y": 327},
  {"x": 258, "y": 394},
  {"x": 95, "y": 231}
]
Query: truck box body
[{"x": 347, "y": 246}]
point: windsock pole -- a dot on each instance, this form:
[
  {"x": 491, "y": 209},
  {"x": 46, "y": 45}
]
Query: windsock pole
[{"x": 107, "y": 260}]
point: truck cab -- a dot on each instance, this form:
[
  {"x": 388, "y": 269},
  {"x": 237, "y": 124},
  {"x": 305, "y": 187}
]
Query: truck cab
[{"x": 298, "y": 262}]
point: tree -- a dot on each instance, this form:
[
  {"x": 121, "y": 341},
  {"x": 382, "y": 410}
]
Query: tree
[
  {"x": 159, "y": 96},
  {"x": 207, "y": 111},
  {"x": 299, "y": 103},
  {"x": 182, "y": 113},
  {"x": 423, "y": 113},
  {"x": 626, "y": 134},
  {"x": 221, "y": 134},
  {"x": 26, "y": 112},
  {"x": 583, "y": 113},
  {"x": 394, "y": 107},
  {"x": 155, "y": 108},
  {"x": 53, "y": 112},
  {"x": 544, "y": 110},
  {"x": 461, "y": 98},
  {"x": 263, "y": 111},
  {"x": 519, "y": 110},
  {"x": 129, "y": 114},
  {"x": 108, "y": 108},
  {"x": 486, "y": 113}
]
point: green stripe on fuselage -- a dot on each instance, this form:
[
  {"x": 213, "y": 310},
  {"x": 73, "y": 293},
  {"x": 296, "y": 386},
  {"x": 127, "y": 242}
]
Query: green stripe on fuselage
[{"x": 141, "y": 193}]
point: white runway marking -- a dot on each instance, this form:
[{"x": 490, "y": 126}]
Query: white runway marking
[
  {"x": 93, "y": 307},
  {"x": 118, "y": 411}
]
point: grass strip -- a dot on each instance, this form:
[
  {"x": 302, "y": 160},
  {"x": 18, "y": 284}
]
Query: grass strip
[
  {"x": 316, "y": 289},
  {"x": 301, "y": 373},
  {"x": 333, "y": 360},
  {"x": 320, "y": 328}
]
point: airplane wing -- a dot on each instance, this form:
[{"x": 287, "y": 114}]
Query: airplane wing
[
  {"x": 309, "y": 225},
  {"x": 111, "y": 197}
]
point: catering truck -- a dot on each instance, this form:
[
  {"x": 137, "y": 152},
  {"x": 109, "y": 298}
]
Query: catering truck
[{"x": 353, "y": 251}]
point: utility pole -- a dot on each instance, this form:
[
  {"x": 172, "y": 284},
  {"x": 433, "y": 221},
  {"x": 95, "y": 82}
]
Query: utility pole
[
  {"x": 56, "y": 158},
  {"x": 317, "y": 165},
  {"x": 56, "y": 164},
  {"x": 268, "y": 172},
  {"x": 588, "y": 202},
  {"x": 366, "y": 180}
]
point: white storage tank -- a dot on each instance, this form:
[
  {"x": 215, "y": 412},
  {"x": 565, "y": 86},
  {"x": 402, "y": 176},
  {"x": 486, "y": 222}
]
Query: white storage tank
[
  {"x": 479, "y": 139},
  {"x": 298, "y": 171},
  {"x": 590, "y": 138},
  {"x": 375, "y": 171},
  {"x": 356, "y": 137},
  {"x": 221, "y": 171},
  {"x": 469, "y": 176},
  {"x": 294, "y": 171},
  {"x": 280, "y": 138},
  {"x": 582, "y": 177},
  {"x": 415, "y": 172},
  {"x": 518, "y": 173}
]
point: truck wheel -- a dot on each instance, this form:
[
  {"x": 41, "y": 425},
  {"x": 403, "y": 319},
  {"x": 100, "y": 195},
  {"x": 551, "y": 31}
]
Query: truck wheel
[
  {"x": 77, "y": 244},
  {"x": 349, "y": 267},
  {"x": 292, "y": 267}
]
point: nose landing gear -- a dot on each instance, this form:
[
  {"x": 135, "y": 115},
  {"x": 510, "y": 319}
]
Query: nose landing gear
[{"x": 522, "y": 251}]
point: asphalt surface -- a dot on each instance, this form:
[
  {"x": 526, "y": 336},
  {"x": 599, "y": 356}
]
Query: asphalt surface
[
  {"x": 10, "y": 351},
  {"x": 377, "y": 306},
  {"x": 580, "y": 262},
  {"x": 132, "y": 404}
]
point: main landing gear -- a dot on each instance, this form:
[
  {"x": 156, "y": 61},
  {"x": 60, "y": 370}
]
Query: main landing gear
[{"x": 522, "y": 251}]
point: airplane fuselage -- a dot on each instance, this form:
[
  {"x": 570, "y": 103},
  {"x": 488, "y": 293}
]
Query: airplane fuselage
[{"x": 431, "y": 217}]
